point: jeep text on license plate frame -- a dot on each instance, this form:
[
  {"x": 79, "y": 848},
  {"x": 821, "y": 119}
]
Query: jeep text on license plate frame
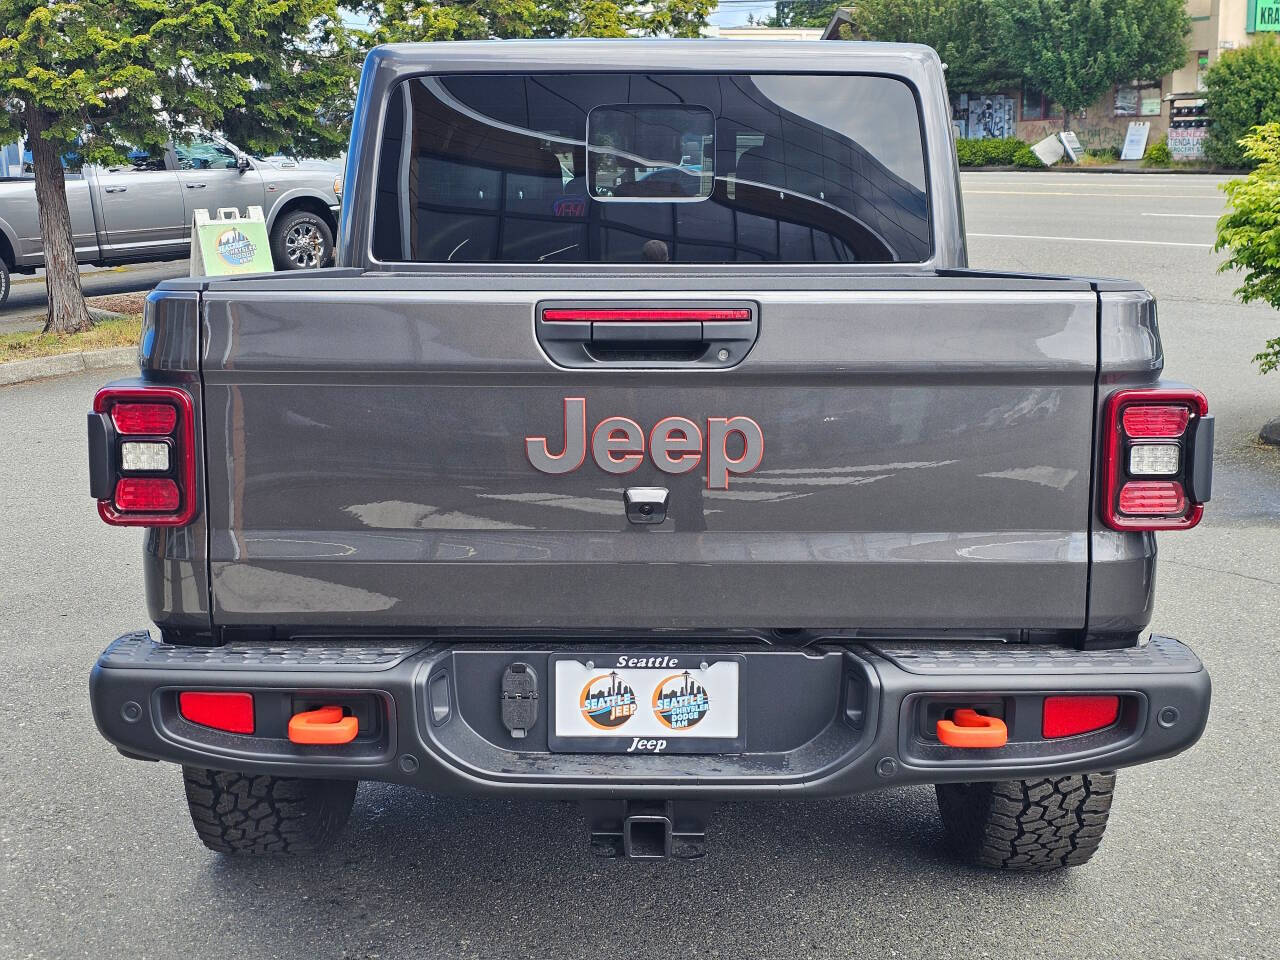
[{"x": 643, "y": 702}]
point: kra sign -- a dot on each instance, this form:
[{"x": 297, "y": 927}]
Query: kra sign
[{"x": 675, "y": 444}]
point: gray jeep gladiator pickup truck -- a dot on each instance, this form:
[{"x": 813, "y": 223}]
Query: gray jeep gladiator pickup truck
[{"x": 651, "y": 444}]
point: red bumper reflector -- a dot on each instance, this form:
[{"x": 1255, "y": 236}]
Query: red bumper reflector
[
  {"x": 572, "y": 315},
  {"x": 1067, "y": 716},
  {"x": 1153, "y": 498},
  {"x": 149, "y": 494},
  {"x": 1145, "y": 420},
  {"x": 155, "y": 419},
  {"x": 232, "y": 712}
]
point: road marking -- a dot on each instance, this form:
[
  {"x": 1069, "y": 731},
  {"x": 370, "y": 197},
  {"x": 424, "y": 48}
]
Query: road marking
[
  {"x": 1033, "y": 236},
  {"x": 1205, "y": 216},
  {"x": 1087, "y": 193}
]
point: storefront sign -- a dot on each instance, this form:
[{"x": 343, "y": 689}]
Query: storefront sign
[
  {"x": 1264, "y": 16},
  {"x": 1187, "y": 143}
]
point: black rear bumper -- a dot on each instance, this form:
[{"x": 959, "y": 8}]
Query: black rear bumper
[{"x": 836, "y": 718}]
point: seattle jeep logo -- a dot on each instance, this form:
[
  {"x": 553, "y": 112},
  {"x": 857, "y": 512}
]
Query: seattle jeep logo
[
  {"x": 607, "y": 701},
  {"x": 731, "y": 446}
]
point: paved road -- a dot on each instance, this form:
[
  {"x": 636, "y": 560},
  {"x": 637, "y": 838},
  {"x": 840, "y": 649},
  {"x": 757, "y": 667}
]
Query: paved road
[
  {"x": 28, "y": 294},
  {"x": 97, "y": 858}
]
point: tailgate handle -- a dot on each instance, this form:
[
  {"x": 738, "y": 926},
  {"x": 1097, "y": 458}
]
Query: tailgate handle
[{"x": 679, "y": 334}]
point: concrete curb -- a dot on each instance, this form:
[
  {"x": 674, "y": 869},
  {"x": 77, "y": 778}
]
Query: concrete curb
[
  {"x": 40, "y": 368},
  {"x": 1136, "y": 171}
]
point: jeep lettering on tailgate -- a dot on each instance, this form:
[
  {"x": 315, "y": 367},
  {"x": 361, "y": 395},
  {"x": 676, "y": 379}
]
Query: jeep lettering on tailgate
[{"x": 676, "y": 445}]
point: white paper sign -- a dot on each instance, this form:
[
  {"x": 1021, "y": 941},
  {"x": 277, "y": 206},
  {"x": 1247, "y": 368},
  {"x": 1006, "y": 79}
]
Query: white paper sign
[
  {"x": 1071, "y": 143},
  {"x": 1135, "y": 141}
]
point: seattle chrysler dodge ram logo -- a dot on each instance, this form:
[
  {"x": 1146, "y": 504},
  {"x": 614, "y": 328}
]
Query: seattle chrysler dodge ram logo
[{"x": 675, "y": 444}]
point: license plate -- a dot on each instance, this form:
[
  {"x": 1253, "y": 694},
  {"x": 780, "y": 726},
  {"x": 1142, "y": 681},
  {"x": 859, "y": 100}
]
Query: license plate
[{"x": 644, "y": 703}]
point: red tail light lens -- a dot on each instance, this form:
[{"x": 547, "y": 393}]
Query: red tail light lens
[
  {"x": 147, "y": 494},
  {"x": 1068, "y": 716},
  {"x": 1152, "y": 498},
  {"x": 1131, "y": 499},
  {"x": 145, "y": 418},
  {"x": 154, "y": 419},
  {"x": 1143, "y": 421},
  {"x": 232, "y": 712}
]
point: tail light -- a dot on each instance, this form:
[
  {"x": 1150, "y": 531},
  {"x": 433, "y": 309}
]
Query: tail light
[
  {"x": 142, "y": 465},
  {"x": 1157, "y": 459}
]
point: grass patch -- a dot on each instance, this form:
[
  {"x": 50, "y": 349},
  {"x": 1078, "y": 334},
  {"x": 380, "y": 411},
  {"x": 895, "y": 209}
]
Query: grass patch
[{"x": 108, "y": 332}]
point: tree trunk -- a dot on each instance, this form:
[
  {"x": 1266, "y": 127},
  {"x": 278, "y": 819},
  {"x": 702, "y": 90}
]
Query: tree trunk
[
  {"x": 67, "y": 310},
  {"x": 1066, "y": 119}
]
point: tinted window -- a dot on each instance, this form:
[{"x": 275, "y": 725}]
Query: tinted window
[{"x": 583, "y": 168}]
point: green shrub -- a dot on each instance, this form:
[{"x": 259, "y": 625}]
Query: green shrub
[
  {"x": 988, "y": 153},
  {"x": 1104, "y": 154},
  {"x": 1158, "y": 154},
  {"x": 1026, "y": 157},
  {"x": 1251, "y": 231},
  {"x": 1241, "y": 92}
]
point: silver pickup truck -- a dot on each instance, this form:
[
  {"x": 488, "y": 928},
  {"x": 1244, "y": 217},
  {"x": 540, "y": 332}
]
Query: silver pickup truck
[{"x": 142, "y": 210}]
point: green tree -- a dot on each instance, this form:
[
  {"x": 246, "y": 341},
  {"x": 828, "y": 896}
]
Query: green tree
[
  {"x": 1241, "y": 93},
  {"x": 397, "y": 21},
  {"x": 1251, "y": 231},
  {"x": 804, "y": 13},
  {"x": 962, "y": 31},
  {"x": 1076, "y": 50},
  {"x": 91, "y": 76}
]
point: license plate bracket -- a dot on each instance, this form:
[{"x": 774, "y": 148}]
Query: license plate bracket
[{"x": 645, "y": 702}]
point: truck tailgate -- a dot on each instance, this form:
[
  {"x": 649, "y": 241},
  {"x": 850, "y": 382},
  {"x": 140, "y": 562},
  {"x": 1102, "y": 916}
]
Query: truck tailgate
[{"x": 925, "y": 464}]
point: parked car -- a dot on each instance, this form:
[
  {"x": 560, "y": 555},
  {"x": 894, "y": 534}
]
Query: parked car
[
  {"x": 749, "y": 490},
  {"x": 142, "y": 209}
]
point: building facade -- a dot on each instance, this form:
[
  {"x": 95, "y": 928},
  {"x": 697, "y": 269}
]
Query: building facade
[{"x": 1216, "y": 26}]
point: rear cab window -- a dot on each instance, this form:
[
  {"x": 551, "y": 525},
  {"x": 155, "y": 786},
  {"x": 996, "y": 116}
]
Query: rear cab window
[{"x": 647, "y": 167}]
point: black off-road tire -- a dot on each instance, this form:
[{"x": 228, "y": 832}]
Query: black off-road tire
[
  {"x": 301, "y": 240},
  {"x": 6, "y": 281},
  {"x": 244, "y": 813},
  {"x": 1029, "y": 826}
]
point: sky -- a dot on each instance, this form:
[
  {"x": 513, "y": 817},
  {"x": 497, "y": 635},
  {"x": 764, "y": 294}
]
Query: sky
[
  {"x": 730, "y": 13},
  {"x": 734, "y": 13}
]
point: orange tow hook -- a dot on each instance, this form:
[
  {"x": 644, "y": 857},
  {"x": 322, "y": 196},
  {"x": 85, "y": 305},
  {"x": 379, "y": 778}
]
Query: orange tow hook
[
  {"x": 969, "y": 729},
  {"x": 323, "y": 725}
]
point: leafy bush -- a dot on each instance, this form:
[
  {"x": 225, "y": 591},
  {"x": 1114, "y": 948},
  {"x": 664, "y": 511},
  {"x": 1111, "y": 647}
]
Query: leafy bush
[
  {"x": 1026, "y": 157},
  {"x": 1104, "y": 154},
  {"x": 989, "y": 152},
  {"x": 1251, "y": 231},
  {"x": 1241, "y": 93},
  {"x": 1158, "y": 154}
]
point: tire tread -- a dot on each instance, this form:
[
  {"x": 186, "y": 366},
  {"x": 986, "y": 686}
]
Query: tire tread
[
  {"x": 1031, "y": 826},
  {"x": 255, "y": 814}
]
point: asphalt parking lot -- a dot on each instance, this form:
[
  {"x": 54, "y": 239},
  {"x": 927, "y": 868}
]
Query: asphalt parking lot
[
  {"x": 28, "y": 298},
  {"x": 98, "y": 859}
]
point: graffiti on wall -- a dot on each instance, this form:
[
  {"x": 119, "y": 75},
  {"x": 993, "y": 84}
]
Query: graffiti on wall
[
  {"x": 980, "y": 117},
  {"x": 1092, "y": 136}
]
